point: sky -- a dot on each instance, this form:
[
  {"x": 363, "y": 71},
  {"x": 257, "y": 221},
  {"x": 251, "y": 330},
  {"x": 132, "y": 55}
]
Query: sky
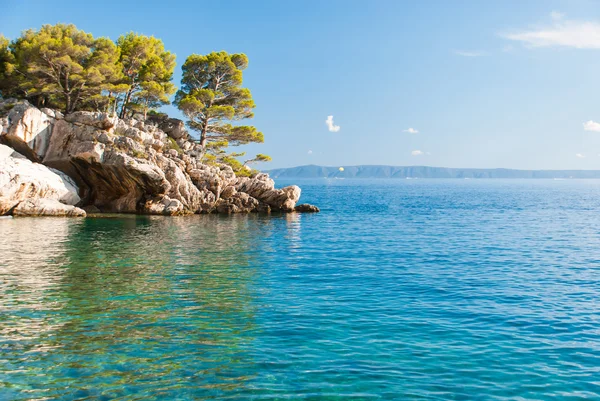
[{"x": 513, "y": 84}]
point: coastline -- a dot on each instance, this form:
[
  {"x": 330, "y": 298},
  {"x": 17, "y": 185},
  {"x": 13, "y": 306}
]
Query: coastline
[{"x": 94, "y": 162}]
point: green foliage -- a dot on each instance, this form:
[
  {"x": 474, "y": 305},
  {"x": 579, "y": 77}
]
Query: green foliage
[
  {"x": 147, "y": 70},
  {"x": 60, "y": 66},
  {"x": 63, "y": 67},
  {"x": 9, "y": 79},
  {"x": 172, "y": 144},
  {"x": 212, "y": 98},
  {"x": 259, "y": 158},
  {"x": 139, "y": 154},
  {"x": 217, "y": 155}
]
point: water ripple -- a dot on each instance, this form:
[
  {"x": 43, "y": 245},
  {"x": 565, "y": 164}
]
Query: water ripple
[{"x": 436, "y": 290}]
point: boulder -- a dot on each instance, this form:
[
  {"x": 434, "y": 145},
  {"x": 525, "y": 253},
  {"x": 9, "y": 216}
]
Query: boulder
[
  {"x": 46, "y": 207},
  {"x": 262, "y": 188},
  {"x": 306, "y": 208},
  {"x": 165, "y": 206},
  {"x": 27, "y": 130},
  {"x": 21, "y": 179},
  {"x": 174, "y": 128},
  {"x": 103, "y": 121}
]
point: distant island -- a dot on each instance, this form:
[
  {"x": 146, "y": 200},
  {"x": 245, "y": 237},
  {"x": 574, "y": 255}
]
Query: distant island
[{"x": 375, "y": 171}]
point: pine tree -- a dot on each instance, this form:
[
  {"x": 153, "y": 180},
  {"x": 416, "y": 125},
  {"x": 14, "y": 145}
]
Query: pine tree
[
  {"x": 147, "y": 70},
  {"x": 61, "y": 66},
  {"x": 211, "y": 96}
]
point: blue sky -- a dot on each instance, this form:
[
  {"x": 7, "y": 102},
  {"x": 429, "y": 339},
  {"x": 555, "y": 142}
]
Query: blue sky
[{"x": 485, "y": 84}]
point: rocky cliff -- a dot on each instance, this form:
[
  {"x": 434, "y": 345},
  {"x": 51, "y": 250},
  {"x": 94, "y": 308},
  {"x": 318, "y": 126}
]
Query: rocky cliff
[{"x": 52, "y": 164}]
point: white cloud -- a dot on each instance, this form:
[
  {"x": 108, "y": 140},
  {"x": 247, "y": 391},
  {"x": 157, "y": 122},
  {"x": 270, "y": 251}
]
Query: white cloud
[
  {"x": 567, "y": 33},
  {"x": 417, "y": 153},
  {"x": 310, "y": 152},
  {"x": 469, "y": 53},
  {"x": 591, "y": 126},
  {"x": 411, "y": 131},
  {"x": 330, "y": 125},
  {"x": 579, "y": 155}
]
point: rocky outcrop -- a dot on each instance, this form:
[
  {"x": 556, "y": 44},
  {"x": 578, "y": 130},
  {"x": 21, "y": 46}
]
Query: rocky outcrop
[
  {"x": 131, "y": 166},
  {"x": 34, "y": 189},
  {"x": 263, "y": 188}
]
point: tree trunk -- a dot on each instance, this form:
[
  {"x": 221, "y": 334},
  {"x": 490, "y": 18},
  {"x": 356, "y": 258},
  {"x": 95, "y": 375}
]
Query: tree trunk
[
  {"x": 68, "y": 105},
  {"x": 126, "y": 103},
  {"x": 203, "y": 138}
]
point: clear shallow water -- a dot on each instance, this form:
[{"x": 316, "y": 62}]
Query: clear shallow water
[{"x": 425, "y": 290}]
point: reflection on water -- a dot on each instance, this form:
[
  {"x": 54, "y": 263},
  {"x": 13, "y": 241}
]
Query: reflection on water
[
  {"x": 31, "y": 273},
  {"x": 107, "y": 305}
]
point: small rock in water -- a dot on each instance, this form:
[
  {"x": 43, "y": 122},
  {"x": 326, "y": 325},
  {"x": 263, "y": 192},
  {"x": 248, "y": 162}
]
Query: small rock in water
[{"x": 306, "y": 208}]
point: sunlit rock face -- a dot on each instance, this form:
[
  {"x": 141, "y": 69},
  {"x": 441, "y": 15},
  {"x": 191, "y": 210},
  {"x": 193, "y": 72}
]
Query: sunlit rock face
[
  {"x": 33, "y": 189},
  {"x": 131, "y": 166},
  {"x": 28, "y": 130}
]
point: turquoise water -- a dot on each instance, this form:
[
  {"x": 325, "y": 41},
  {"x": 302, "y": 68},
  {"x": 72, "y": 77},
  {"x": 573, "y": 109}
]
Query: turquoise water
[{"x": 401, "y": 289}]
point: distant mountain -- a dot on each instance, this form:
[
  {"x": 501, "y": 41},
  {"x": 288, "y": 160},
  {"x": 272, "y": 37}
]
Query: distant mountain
[{"x": 312, "y": 171}]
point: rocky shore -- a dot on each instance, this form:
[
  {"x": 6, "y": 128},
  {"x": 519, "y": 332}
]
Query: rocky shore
[{"x": 66, "y": 165}]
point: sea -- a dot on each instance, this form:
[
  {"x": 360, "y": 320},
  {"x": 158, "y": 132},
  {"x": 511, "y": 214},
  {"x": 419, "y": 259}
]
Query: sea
[{"x": 397, "y": 290}]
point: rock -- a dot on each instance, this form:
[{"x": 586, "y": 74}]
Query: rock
[
  {"x": 181, "y": 186},
  {"x": 262, "y": 188},
  {"x": 134, "y": 133},
  {"x": 21, "y": 179},
  {"x": 52, "y": 113},
  {"x": 46, "y": 207},
  {"x": 165, "y": 206},
  {"x": 263, "y": 208},
  {"x": 238, "y": 203},
  {"x": 228, "y": 192},
  {"x": 284, "y": 199},
  {"x": 255, "y": 186},
  {"x": 115, "y": 177},
  {"x": 91, "y": 209},
  {"x": 105, "y": 138},
  {"x": 207, "y": 202},
  {"x": 174, "y": 128},
  {"x": 28, "y": 130},
  {"x": 103, "y": 121},
  {"x": 7, "y": 205},
  {"x": 306, "y": 208}
]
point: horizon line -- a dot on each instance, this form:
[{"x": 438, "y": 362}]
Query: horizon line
[{"x": 424, "y": 166}]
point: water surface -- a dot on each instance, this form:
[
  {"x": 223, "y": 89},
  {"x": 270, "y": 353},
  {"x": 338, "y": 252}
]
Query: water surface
[{"x": 399, "y": 289}]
